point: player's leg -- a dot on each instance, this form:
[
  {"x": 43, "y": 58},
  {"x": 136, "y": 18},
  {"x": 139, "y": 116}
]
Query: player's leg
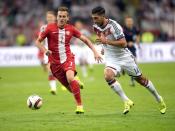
[
  {"x": 83, "y": 67},
  {"x": 149, "y": 85},
  {"x": 133, "y": 70},
  {"x": 52, "y": 80},
  {"x": 41, "y": 59},
  {"x": 133, "y": 51},
  {"x": 109, "y": 74},
  {"x": 90, "y": 69},
  {"x": 75, "y": 88},
  {"x": 80, "y": 82}
]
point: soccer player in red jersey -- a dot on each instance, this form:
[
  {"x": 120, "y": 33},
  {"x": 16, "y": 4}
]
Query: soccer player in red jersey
[
  {"x": 61, "y": 58},
  {"x": 50, "y": 18}
]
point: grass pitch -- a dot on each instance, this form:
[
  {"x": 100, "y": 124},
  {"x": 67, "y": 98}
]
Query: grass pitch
[{"x": 103, "y": 107}]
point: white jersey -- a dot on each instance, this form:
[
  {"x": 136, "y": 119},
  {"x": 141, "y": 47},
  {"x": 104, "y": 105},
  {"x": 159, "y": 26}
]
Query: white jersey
[
  {"x": 45, "y": 42},
  {"x": 112, "y": 31},
  {"x": 117, "y": 58}
]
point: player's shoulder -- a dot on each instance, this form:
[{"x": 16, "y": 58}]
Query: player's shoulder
[
  {"x": 114, "y": 23},
  {"x": 42, "y": 28},
  {"x": 70, "y": 26},
  {"x": 51, "y": 25}
]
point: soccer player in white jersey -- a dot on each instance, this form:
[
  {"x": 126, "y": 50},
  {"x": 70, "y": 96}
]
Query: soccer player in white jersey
[
  {"x": 50, "y": 18},
  {"x": 118, "y": 58}
]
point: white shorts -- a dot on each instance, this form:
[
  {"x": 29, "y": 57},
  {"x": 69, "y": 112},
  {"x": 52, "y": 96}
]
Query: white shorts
[{"x": 128, "y": 65}]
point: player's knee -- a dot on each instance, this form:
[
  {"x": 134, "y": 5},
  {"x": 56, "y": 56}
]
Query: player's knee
[
  {"x": 142, "y": 80},
  {"x": 108, "y": 75},
  {"x": 70, "y": 78}
]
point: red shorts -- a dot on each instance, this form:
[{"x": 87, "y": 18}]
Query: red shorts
[{"x": 59, "y": 70}]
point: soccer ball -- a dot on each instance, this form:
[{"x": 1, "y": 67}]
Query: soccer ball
[{"x": 34, "y": 102}]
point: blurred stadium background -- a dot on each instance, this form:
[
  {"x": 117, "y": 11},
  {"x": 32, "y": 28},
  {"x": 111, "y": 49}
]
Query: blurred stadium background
[
  {"x": 20, "y": 18},
  {"x": 19, "y": 22}
]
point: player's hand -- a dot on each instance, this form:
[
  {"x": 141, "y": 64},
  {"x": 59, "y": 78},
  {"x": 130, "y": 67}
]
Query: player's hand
[
  {"x": 130, "y": 44},
  {"x": 98, "y": 57},
  {"x": 101, "y": 39},
  {"x": 48, "y": 52}
]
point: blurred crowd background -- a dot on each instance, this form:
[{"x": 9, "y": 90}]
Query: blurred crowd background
[{"x": 19, "y": 19}]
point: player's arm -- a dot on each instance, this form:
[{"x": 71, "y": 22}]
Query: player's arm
[
  {"x": 39, "y": 44},
  {"x": 91, "y": 46},
  {"x": 119, "y": 42},
  {"x": 39, "y": 41},
  {"x": 83, "y": 38}
]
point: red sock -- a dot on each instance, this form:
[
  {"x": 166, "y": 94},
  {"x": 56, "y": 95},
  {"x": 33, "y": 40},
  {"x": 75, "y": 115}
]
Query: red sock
[{"x": 76, "y": 91}]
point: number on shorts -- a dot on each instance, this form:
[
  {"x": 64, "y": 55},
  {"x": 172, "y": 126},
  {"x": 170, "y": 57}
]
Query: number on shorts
[{"x": 137, "y": 71}]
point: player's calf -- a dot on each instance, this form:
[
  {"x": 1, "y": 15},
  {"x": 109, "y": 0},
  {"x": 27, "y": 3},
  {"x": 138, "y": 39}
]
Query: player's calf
[
  {"x": 149, "y": 85},
  {"x": 52, "y": 83},
  {"x": 142, "y": 80}
]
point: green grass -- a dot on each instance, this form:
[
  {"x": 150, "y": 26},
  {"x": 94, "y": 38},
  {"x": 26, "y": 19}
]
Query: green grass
[{"x": 103, "y": 107}]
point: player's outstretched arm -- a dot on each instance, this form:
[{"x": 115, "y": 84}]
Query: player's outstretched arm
[
  {"x": 97, "y": 56},
  {"x": 39, "y": 44}
]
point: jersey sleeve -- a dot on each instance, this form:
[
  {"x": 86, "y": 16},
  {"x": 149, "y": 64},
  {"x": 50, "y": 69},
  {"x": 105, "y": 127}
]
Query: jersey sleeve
[
  {"x": 43, "y": 28},
  {"x": 75, "y": 32},
  {"x": 44, "y": 31},
  {"x": 117, "y": 31}
]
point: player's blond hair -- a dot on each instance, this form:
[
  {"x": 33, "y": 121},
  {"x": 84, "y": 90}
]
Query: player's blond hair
[{"x": 63, "y": 8}]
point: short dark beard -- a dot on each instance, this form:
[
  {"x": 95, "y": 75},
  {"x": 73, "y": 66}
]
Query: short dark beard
[{"x": 103, "y": 24}]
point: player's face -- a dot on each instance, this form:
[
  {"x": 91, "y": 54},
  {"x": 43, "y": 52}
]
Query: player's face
[
  {"x": 78, "y": 25},
  {"x": 98, "y": 19},
  {"x": 129, "y": 22},
  {"x": 62, "y": 18},
  {"x": 50, "y": 18}
]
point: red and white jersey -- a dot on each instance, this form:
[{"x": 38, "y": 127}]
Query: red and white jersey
[
  {"x": 42, "y": 29},
  {"x": 59, "y": 41}
]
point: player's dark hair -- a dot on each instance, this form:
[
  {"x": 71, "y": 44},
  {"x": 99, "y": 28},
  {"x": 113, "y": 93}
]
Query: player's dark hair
[
  {"x": 63, "y": 8},
  {"x": 98, "y": 10}
]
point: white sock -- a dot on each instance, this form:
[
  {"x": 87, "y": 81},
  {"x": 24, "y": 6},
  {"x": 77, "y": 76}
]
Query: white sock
[
  {"x": 52, "y": 84},
  {"x": 118, "y": 89},
  {"x": 153, "y": 90},
  {"x": 84, "y": 71}
]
